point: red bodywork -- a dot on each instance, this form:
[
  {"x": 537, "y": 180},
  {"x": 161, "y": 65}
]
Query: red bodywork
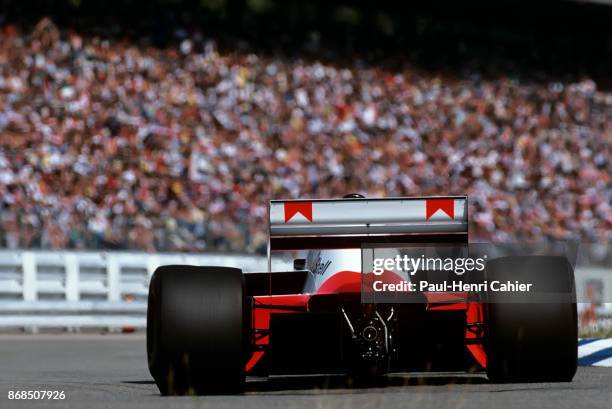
[{"x": 350, "y": 282}]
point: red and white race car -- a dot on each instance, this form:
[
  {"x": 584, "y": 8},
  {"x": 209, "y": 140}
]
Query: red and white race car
[{"x": 208, "y": 327}]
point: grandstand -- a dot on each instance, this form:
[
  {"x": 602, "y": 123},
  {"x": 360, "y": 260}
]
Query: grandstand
[{"x": 169, "y": 135}]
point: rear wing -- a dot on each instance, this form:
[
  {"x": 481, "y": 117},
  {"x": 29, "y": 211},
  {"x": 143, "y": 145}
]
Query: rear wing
[{"x": 349, "y": 223}]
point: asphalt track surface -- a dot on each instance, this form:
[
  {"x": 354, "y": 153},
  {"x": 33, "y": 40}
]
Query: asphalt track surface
[{"x": 110, "y": 372}]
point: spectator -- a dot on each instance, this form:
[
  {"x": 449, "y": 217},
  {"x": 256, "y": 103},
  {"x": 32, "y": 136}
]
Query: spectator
[{"x": 107, "y": 144}]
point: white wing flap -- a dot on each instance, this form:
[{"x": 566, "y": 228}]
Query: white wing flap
[{"x": 392, "y": 216}]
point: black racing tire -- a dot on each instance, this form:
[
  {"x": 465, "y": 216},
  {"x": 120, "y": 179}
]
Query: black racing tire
[
  {"x": 531, "y": 339},
  {"x": 198, "y": 320}
]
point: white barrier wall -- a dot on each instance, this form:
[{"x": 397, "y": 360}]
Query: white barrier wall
[{"x": 73, "y": 290}]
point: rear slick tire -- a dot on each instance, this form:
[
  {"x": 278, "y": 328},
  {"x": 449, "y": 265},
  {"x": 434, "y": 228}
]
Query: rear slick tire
[
  {"x": 528, "y": 340},
  {"x": 197, "y": 327}
]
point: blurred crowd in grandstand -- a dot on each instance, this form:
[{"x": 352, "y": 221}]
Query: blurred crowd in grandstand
[{"x": 105, "y": 143}]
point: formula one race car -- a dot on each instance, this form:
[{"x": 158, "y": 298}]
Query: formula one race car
[{"x": 208, "y": 327}]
